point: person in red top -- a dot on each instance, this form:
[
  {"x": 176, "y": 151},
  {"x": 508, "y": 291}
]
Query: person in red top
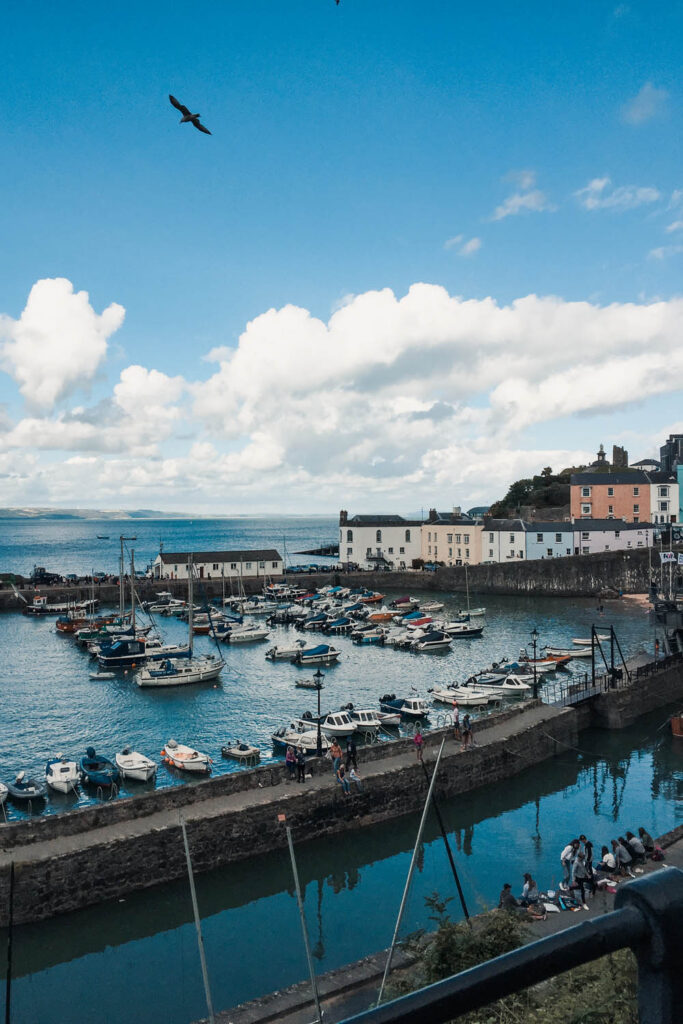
[{"x": 418, "y": 740}]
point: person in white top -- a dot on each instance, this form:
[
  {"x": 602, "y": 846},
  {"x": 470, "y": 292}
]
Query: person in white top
[{"x": 567, "y": 858}]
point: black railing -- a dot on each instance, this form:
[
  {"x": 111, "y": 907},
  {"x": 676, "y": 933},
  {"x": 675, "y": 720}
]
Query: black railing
[
  {"x": 648, "y": 919},
  {"x": 659, "y": 665}
]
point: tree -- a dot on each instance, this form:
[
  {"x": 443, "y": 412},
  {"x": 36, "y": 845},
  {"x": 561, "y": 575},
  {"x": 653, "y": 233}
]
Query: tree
[{"x": 547, "y": 471}]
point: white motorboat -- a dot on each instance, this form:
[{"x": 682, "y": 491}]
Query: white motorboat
[
  {"x": 511, "y": 686},
  {"x": 431, "y": 607},
  {"x": 103, "y": 675},
  {"x": 455, "y": 629},
  {"x": 180, "y": 671},
  {"x": 338, "y": 723},
  {"x": 388, "y": 719},
  {"x": 569, "y": 652},
  {"x": 468, "y": 697},
  {"x": 582, "y": 642},
  {"x": 133, "y": 765},
  {"x": 285, "y": 653},
  {"x": 309, "y": 684},
  {"x": 434, "y": 641},
  {"x": 321, "y": 654},
  {"x": 246, "y": 634},
  {"x": 188, "y": 760},
  {"x": 407, "y": 707},
  {"x": 300, "y": 733},
  {"x": 62, "y": 775},
  {"x": 366, "y": 720},
  {"x": 3, "y": 793}
]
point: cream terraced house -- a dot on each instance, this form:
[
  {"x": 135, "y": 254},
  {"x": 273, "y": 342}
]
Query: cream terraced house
[
  {"x": 379, "y": 541},
  {"x": 451, "y": 538}
]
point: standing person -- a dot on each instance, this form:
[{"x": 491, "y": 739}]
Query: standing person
[
  {"x": 290, "y": 761},
  {"x": 647, "y": 841},
  {"x": 567, "y": 859},
  {"x": 466, "y": 731},
  {"x": 351, "y": 752},
  {"x": 580, "y": 876},
  {"x": 456, "y": 721},
  {"x": 342, "y": 780},
  {"x": 300, "y": 765},
  {"x": 418, "y": 740},
  {"x": 335, "y": 754},
  {"x": 588, "y": 850}
]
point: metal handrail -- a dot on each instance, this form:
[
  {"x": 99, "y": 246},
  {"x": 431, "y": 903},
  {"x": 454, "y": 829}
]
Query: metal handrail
[{"x": 648, "y": 918}]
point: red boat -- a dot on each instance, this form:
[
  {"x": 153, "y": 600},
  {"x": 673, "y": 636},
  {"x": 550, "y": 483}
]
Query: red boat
[{"x": 677, "y": 726}]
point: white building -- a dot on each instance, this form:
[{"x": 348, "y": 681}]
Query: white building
[
  {"x": 172, "y": 565},
  {"x": 664, "y": 498},
  {"x": 376, "y": 541},
  {"x": 503, "y": 540},
  {"x": 594, "y": 535}
]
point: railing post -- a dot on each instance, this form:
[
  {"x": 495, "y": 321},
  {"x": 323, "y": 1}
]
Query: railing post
[{"x": 660, "y": 978}]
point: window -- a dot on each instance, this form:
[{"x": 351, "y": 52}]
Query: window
[
  {"x": 429, "y": 549},
  {"x": 610, "y": 510},
  {"x": 512, "y": 538},
  {"x": 349, "y": 552},
  {"x": 450, "y": 552},
  {"x": 585, "y": 536},
  {"x": 617, "y": 533},
  {"x": 429, "y": 536},
  {"x": 663, "y": 492},
  {"x": 521, "y": 554},
  {"x": 175, "y": 568},
  {"x": 349, "y": 536},
  {"x": 636, "y": 508},
  {"x": 407, "y": 536},
  {"x": 378, "y": 537},
  {"x": 215, "y": 566},
  {"x": 275, "y": 564},
  {"x": 457, "y": 538},
  {"x": 585, "y": 510},
  {"x": 233, "y": 565},
  {"x": 391, "y": 551},
  {"x": 262, "y": 565},
  {"x": 247, "y": 565},
  {"x": 490, "y": 538},
  {"x": 539, "y": 538},
  {"x": 585, "y": 492},
  {"x": 585, "y": 551},
  {"x": 490, "y": 552},
  {"x": 467, "y": 552},
  {"x": 449, "y": 538},
  {"x": 628, "y": 543},
  {"x": 549, "y": 552},
  {"x": 636, "y": 492},
  {"x": 466, "y": 538},
  {"x": 640, "y": 543},
  {"x": 569, "y": 551},
  {"x": 558, "y": 538},
  {"x": 610, "y": 492},
  {"x": 664, "y": 506},
  {"x": 401, "y": 551},
  {"x": 459, "y": 552},
  {"x": 636, "y": 519},
  {"x": 435, "y": 551},
  {"x": 368, "y": 552}
]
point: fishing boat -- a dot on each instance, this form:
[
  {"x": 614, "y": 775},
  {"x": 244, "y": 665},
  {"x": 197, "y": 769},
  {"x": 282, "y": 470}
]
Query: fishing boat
[
  {"x": 467, "y": 696},
  {"x": 583, "y": 642},
  {"x": 285, "y": 653},
  {"x": 98, "y": 771},
  {"x": 322, "y": 654},
  {"x": 62, "y": 775},
  {"x": 243, "y": 752},
  {"x": 24, "y": 789},
  {"x": 300, "y": 733},
  {"x": 463, "y": 629},
  {"x": 38, "y": 606},
  {"x": 434, "y": 641},
  {"x": 511, "y": 686},
  {"x": 407, "y": 707},
  {"x": 432, "y": 606},
  {"x": 122, "y": 654},
  {"x": 338, "y": 723},
  {"x": 177, "y": 755},
  {"x": 133, "y": 765}
]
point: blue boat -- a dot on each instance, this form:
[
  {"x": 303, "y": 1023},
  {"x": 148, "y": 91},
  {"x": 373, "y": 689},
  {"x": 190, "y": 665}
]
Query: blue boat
[
  {"x": 122, "y": 654},
  {"x": 98, "y": 771}
]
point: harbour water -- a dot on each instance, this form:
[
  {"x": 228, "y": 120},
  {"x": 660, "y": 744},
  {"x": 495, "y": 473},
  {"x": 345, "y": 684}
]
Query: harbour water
[{"x": 70, "y": 969}]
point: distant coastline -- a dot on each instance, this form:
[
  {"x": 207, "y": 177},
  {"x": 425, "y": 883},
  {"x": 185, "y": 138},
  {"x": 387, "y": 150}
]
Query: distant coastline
[{"x": 109, "y": 515}]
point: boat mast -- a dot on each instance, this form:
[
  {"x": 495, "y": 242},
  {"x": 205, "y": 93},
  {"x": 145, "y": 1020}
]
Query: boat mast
[
  {"x": 190, "y": 600},
  {"x": 132, "y": 588},
  {"x": 122, "y": 591},
  {"x": 467, "y": 588}
]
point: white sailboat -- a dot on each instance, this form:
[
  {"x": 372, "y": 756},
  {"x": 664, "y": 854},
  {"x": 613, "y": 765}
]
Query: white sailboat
[{"x": 181, "y": 671}]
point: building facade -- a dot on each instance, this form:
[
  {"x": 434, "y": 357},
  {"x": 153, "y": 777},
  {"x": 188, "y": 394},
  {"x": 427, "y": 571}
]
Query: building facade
[
  {"x": 379, "y": 541},
  {"x": 172, "y": 565},
  {"x": 635, "y": 496},
  {"x": 549, "y": 540},
  {"x": 451, "y": 538},
  {"x": 503, "y": 540},
  {"x": 594, "y": 535},
  {"x": 664, "y": 497}
]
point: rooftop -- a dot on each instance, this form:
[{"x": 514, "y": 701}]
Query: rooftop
[{"x": 257, "y": 555}]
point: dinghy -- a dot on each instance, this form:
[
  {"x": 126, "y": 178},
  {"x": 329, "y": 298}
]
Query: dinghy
[
  {"x": 22, "y": 789},
  {"x": 242, "y": 752},
  {"x": 188, "y": 760},
  {"x": 285, "y": 653},
  {"x": 98, "y": 771},
  {"x": 300, "y": 733},
  {"x": 133, "y": 765},
  {"x": 322, "y": 654},
  {"x": 62, "y": 775},
  {"x": 582, "y": 642},
  {"x": 103, "y": 675},
  {"x": 407, "y": 707}
]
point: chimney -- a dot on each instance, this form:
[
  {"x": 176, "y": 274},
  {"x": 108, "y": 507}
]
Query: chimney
[
  {"x": 432, "y": 515},
  {"x": 343, "y": 517},
  {"x": 457, "y": 510}
]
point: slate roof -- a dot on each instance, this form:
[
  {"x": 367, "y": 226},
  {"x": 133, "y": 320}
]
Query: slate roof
[
  {"x": 258, "y": 555},
  {"x": 506, "y": 525},
  {"x": 388, "y": 520},
  {"x": 593, "y": 525},
  {"x": 561, "y": 526},
  {"x": 635, "y": 476}
]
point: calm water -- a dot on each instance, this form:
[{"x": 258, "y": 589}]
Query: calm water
[{"x": 71, "y": 969}]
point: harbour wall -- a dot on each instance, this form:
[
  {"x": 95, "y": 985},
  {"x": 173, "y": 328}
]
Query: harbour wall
[
  {"x": 103, "y": 852},
  {"x": 607, "y": 573}
]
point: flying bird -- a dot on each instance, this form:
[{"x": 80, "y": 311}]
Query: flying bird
[{"x": 187, "y": 116}]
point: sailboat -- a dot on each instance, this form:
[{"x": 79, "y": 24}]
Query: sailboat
[
  {"x": 185, "y": 669},
  {"x": 471, "y": 613}
]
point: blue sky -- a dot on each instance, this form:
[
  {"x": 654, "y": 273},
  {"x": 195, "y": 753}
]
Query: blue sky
[{"x": 355, "y": 148}]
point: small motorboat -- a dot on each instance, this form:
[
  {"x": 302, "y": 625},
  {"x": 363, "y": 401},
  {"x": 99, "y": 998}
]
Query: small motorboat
[
  {"x": 581, "y": 642},
  {"x": 301, "y": 732},
  {"x": 388, "y": 719},
  {"x": 98, "y": 771},
  {"x": 368, "y": 636},
  {"x": 322, "y": 654},
  {"x": 102, "y": 675},
  {"x": 338, "y": 723},
  {"x": 407, "y": 707},
  {"x": 365, "y": 719},
  {"x": 383, "y": 614},
  {"x": 431, "y": 607},
  {"x": 242, "y": 752},
  {"x": 564, "y": 652},
  {"x": 122, "y": 654},
  {"x": 405, "y": 604},
  {"x": 468, "y": 697},
  {"x": 133, "y": 765},
  {"x": 3, "y": 793},
  {"x": 177, "y": 755},
  {"x": 463, "y": 629},
  {"x": 285, "y": 653},
  {"x": 339, "y": 626},
  {"x": 22, "y": 789},
  {"x": 511, "y": 686},
  {"x": 308, "y": 684},
  {"x": 246, "y": 634},
  {"x": 434, "y": 641},
  {"x": 62, "y": 775},
  {"x": 372, "y": 598}
]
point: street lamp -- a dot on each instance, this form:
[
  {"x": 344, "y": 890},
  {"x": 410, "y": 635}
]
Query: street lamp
[
  {"x": 318, "y": 676},
  {"x": 534, "y": 641}
]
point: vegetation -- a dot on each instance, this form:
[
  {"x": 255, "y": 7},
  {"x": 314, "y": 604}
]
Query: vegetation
[
  {"x": 546, "y": 490},
  {"x": 601, "y": 992}
]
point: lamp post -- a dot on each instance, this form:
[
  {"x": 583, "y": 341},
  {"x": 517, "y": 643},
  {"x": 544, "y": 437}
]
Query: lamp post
[
  {"x": 318, "y": 676},
  {"x": 534, "y": 641}
]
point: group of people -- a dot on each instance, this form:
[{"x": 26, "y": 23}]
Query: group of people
[
  {"x": 347, "y": 773},
  {"x": 581, "y": 874},
  {"x": 296, "y": 763}
]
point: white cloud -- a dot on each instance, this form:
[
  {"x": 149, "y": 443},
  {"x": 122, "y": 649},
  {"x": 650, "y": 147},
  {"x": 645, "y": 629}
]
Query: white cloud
[
  {"x": 58, "y": 343},
  {"x": 648, "y": 103},
  {"x": 664, "y": 251},
  {"x": 524, "y": 180},
  {"x": 535, "y": 201},
  {"x": 677, "y": 225},
  {"x": 598, "y": 194},
  {"x": 676, "y": 199},
  {"x": 469, "y": 248}
]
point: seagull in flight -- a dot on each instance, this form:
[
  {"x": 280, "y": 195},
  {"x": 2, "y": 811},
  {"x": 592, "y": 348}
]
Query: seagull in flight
[{"x": 187, "y": 116}]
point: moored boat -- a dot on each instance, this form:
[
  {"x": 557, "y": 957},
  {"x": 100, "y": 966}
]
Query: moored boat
[
  {"x": 300, "y": 732},
  {"x": 322, "y": 654},
  {"x": 467, "y": 696},
  {"x": 285, "y": 653},
  {"x": 338, "y": 723},
  {"x": 186, "y": 758},
  {"x": 435, "y": 640},
  {"x": 511, "y": 686},
  {"x": 463, "y": 629},
  {"x": 180, "y": 671},
  {"x": 583, "y": 642},
  {"x": 677, "y": 726},
  {"x": 3, "y": 793},
  {"x": 62, "y": 775},
  {"x": 24, "y": 789},
  {"x": 407, "y": 707},
  {"x": 97, "y": 770},
  {"x": 134, "y": 765},
  {"x": 244, "y": 752}
]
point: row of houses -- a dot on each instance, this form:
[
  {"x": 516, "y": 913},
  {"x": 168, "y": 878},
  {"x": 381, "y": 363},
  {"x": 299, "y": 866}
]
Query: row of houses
[
  {"x": 636, "y": 496},
  {"x": 454, "y": 538}
]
